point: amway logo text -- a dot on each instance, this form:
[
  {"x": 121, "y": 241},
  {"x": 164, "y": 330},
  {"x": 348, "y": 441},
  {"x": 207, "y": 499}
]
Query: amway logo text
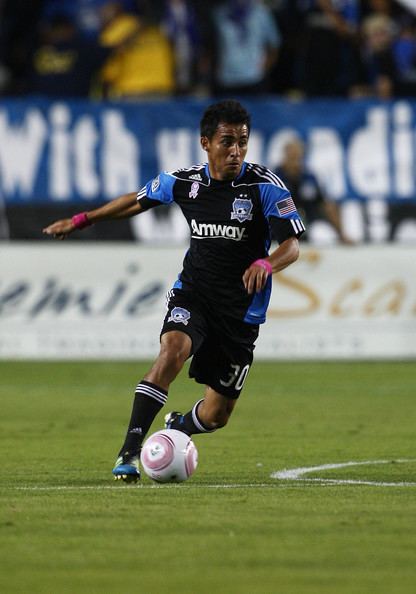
[{"x": 207, "y": 230}]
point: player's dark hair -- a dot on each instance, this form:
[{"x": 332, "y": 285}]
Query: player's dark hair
[{"x": 229, "y": 111}]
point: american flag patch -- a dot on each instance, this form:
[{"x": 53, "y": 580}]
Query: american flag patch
[{"x": 285, "y": 206}]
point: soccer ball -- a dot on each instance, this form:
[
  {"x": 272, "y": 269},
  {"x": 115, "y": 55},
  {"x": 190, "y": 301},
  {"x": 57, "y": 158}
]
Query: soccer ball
[{"x": 169, "y": 456}]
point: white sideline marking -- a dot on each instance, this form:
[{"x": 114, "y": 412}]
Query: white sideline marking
[
  {"x": 293, "y": 474},
  {"x": 297, "y": 474},
  {"x": 122, "y": 488}
]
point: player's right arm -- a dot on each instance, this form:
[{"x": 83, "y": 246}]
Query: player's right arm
[
  {"x": 155, "y": 192},
  {"x": 120, "y": 208}
]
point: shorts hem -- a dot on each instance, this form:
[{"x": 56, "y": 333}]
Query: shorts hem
[{"x": 233, "y": 396}]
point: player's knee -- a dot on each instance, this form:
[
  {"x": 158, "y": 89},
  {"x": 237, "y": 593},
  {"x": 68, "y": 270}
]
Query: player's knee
[
  {"x": 173, "y": 357},
  {"x": 175, "y": 347},
  {"x": 169, "y": 363}
]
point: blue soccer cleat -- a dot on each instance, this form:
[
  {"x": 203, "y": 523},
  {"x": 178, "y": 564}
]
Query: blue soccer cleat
[
  {"x": 172, "y": 420},
  {"x": 126, "y": 468}
]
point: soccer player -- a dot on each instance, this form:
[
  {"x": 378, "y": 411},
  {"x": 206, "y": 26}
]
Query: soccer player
[{"x": 222, "y": 293}]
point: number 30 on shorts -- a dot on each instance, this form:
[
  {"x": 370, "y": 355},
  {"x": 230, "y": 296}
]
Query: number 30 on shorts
[{"x": 237, "y": 376}]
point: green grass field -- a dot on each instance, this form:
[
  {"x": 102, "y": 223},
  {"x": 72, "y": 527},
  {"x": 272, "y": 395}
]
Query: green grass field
[{"x": 66, "y": 527}]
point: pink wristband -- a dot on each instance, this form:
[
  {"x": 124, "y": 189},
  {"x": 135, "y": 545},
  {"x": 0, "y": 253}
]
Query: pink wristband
[
  {"x": 80, "y": 220},
  {"x": 264, "y": 264}
]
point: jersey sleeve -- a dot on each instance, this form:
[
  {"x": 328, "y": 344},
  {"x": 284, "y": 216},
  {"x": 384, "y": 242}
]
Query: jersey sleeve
[
  {"x": 157, "y": 191},
  {"x": 281, "y": 213}
]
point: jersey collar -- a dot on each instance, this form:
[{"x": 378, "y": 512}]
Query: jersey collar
[{"x": 243, "y": 169}]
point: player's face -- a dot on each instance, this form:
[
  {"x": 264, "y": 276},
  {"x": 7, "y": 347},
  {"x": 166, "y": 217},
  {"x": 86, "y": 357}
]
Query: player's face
[{"x": 226, "y": 150}]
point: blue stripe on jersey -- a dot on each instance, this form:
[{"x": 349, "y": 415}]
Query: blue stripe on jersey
[
  {"x": 161, "y": 188},
  {"x": 256, "y": 313}
]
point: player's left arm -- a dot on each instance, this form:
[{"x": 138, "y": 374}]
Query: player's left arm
[
  {"x": 280, "y": 211},
  {"x": 256, "y": 275}
]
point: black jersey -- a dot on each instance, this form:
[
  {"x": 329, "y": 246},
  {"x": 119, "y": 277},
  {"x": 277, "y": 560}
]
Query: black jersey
[{"x": 229, "y": 222}]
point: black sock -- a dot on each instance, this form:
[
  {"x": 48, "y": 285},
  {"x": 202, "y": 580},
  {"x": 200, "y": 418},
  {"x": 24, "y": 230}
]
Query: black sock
[
  {"x": 148, "y": 401},
  {"x": 190, "y": 423}
]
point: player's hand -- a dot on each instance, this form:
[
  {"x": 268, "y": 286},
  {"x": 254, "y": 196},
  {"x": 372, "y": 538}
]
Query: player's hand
[
  {"x": 255, "y": 278},
  {"x": 60, "y": 229}
]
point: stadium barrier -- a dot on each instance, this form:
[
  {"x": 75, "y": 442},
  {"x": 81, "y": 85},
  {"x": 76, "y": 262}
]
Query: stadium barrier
[{"x": 101, "y": 301}]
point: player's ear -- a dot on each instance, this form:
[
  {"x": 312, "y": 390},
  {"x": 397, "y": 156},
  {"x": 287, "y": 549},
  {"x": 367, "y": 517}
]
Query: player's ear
[{"x": 205, "y": 143}]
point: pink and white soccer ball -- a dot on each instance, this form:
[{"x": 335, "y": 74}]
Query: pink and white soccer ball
[{"x": 169, "y": 456}]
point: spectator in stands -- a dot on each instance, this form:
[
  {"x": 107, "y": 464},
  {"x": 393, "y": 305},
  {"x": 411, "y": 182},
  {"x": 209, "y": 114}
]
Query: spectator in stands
[
  {"x": 290, "y": 18},
  {"x": 85, "y": 14},
  {"x": 4, "y": 73},
  {"x": 398, "y": 61},
  {"x": 247, "y": 47},
  {"x": 378, "y": 62},
  {"x": 142, "y": 63},
  {"x": 404, "y": 52},
  {"x": 179, "y": 22},
  {"x": 329, "y": 56},
  {"x": 386, "y": 7},
  {"x": 306, "y": 190},
  {"x": 18, "y": 30},
  {"x": 64, "y": 64}
]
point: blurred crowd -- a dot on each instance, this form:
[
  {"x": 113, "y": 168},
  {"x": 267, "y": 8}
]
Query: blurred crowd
[{"x": 131, "y": 49}]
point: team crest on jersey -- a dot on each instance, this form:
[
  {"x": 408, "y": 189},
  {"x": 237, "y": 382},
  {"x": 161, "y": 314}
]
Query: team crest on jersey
[
  {"x": 179, "y": 315},
  {"x": 242, "y": 207},
  {"x": 194, "y": 190},
  {"x": 156, "y": 183}
]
